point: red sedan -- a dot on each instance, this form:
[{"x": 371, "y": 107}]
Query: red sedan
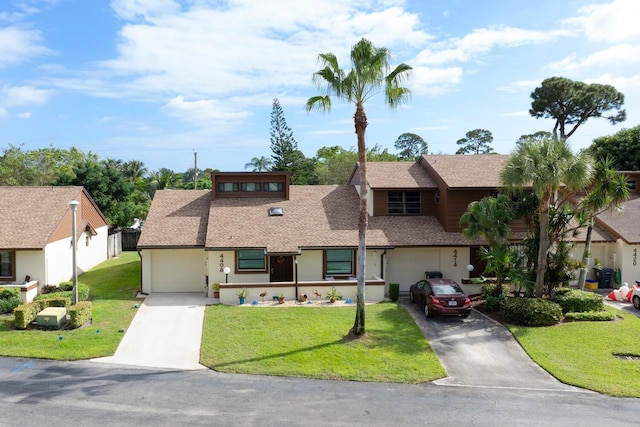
[{"x": 440, "y": 296}]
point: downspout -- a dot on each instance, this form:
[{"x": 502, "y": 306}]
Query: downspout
[
  {"x": 382, "y": 257},
  {"x": 295, "y": 273},
  {"x": 140, "y": 255}
]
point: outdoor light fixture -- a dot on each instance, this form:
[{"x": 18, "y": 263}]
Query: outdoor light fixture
[
  {"x": 469, "y": 268},
  {"x": 226, "y": 270},
  {"x": 74, "y": 207}
]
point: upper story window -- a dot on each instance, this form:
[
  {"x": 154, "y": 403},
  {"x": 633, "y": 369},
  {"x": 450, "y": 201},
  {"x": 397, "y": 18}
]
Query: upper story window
[
  {"x": 251, "y": 259},
  {"x": 338, "y": 262},
  {"x": 273, "y": 186},
  {"x": 250, "y": 186},
  {"x": 227, "y": 186},
  {"x": 403, "y": 202},
  {"x": 7, "y": 269}
]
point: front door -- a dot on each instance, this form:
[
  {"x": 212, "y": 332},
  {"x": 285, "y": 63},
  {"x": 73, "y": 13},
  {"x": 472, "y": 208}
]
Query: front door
[
  {"x": 476, "y": 260},
  {"x": 281, "y": 268}
]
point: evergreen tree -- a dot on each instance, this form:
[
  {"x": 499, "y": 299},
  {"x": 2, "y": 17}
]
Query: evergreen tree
[{"x": 283, "y": 144}]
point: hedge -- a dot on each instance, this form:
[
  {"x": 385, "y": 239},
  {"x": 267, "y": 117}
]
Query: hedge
[
  {"x": 83, "y": 293},
  {"x": 531, "y": 311},
  {"x": 394, "y": 291},
  {"x": 8, "y": 293},
  {"x": 7, "y": 305},
  {"x": 593, "y": 316},
  {"x": 577, "y": 301},
  {"x": 489, "y": 290},
  {"x": 24, "y": 314},
  {"x": 80, "y": 314},
  {"x": 494, "y": 304}
]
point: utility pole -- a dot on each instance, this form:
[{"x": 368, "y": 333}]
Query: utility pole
[{"x": 195, "y": 170}]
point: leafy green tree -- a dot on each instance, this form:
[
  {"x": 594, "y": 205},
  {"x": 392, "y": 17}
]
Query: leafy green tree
[
  {"x": 161, "y": 180},
  {"x": 536, "y": 136},
  {"x": 476, "y": 141},
  {"x": 623, "y": 148},
  {"x": 546, "y": 166},
  {"x": 335, "y": 164},
  {"x": 259, "y": 164},
  {"x": 134, "y": 170},
  {"x": 609, "y": 191},
  {"x": 571, "y": 103},
  {"x": 370, "y": 72},
  {"x": 411, "y": 146}
]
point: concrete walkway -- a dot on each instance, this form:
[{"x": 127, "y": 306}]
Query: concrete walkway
[
  {"x": 480, "y": 352},
  {"x": 166, "y": 332}
]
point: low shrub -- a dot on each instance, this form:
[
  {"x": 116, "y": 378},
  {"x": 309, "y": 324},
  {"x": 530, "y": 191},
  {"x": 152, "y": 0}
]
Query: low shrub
[
  {"x": 80, "y": 314},
  {"x": 24, "y": 314},
  {"x": 49, "y": 289},
  {"x": 593, "y": 316},
  {"x": 394, "y": 291},
  {"x": 83, "y": 293},
  {"x": 531, "y": 311},
  {"x": 8, "y": 304},
  {"x": 577, "y": 301},
  {"x": 494, "y": 304},
  {"x": 490, "y": 290},
  {"x": 8, "y": 293}
]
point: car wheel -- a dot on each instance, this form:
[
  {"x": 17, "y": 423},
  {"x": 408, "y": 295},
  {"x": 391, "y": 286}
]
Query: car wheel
[
  {"x": 636, "y": 302},
  {"x": 411, "y": 297},
  {"x": 427, "y": 312}
]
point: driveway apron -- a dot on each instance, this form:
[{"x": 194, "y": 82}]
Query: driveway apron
[
  {"x": 166, "y": 332},
  {"x": 480, "y": 352}
]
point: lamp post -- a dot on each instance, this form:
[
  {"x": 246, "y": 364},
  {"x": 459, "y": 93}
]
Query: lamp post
[
  {"x": 226, "y": 270},
  {"x": 74, "y": 207}
]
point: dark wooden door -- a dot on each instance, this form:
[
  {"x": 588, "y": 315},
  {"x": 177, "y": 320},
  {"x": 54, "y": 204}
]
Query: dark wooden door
[
  {"x": 281, "y": 268},
  {"x": 476, "y": 260}
]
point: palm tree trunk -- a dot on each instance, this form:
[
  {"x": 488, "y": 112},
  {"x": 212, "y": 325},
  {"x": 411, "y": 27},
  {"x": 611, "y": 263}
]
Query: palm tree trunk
[
  {"x": 543, "y": 248},
  {"x": 360, "y": 121},
  {"x": 585, "y": 257}
]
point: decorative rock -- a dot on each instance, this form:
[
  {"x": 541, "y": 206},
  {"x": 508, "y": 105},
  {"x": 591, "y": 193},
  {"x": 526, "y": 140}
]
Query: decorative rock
[
  {"x": 135, "y": 305},
  {"x": 254, "y": 302},
  {"x": 348, "y": 301}
]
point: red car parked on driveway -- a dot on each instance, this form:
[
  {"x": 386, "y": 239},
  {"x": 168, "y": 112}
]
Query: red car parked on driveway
[{"x": 440, "y": 296}]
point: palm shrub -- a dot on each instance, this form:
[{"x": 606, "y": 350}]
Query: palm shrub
[{"x": 531, "y": 311}]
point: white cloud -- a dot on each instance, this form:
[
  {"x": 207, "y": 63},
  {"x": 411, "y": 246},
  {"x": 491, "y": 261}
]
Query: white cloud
[
  {"x": 615, "y": 55},
  {"x": 434, "y": 80},
  {"x": 19, "y": 45},
  {"x": 204, "y": 112},
  {"x": 23, "y": 95},
  {"x": 520, "y": 86},
  {"x": 25, "y": 115},
  {"x": 619, "y": 82},
  {"x": 612, "y": 22},
  {"x": 481, "y": 41}
]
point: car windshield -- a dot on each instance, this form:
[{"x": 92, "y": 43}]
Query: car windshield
[{"x": 447, "y": 289}]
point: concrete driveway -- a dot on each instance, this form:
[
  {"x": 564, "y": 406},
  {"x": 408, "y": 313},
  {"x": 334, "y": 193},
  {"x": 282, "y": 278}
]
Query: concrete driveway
[
  {"x": 480, "y": 352},
  {"x": 166, "y": 332}
]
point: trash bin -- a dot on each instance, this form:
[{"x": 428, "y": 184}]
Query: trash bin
[
  {"x": 433, "y": 274},
  {"x": 603, "y": 276}
]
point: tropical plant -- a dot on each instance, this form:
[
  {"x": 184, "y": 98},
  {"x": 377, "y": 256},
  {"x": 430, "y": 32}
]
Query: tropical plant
[
  {"x": 609, "y": 191},
  {"x": 259, "y": 164},
  {"x": 333, "y": 294},
  {"x": 370, "y": 73},
  {"x": 242, "y": 292},
  {"x": 547, "y": 167}
]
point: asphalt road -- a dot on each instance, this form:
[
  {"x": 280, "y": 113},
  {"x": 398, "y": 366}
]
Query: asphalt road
[{"x": 48, "y": 393}]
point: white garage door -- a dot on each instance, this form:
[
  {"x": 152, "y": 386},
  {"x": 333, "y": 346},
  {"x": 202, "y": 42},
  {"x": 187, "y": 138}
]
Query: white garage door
[{"x": 178, "y": 270}]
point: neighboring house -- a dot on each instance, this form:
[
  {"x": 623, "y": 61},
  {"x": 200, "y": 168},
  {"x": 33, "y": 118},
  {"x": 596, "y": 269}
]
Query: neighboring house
[{"x": 36, "y": 239}]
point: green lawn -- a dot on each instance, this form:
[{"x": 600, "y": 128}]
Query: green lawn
[
  {"x": 310, "y": 342},
  {"x": 582, "y": 353},
  {"x": 113, "y": 285}
]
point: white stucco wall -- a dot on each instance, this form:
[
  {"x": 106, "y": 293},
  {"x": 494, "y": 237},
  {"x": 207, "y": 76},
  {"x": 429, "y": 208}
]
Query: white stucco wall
[
  {"x": 92, "y": 251},
  {"x": 173, "y": 270},
  {"x": 59, "y": 262},
  {"x": 30, "y": 263}
]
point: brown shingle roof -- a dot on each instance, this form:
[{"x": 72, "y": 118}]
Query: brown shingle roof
[
  {"x": 30, "y": 215},
  {"x": 625, "y": 225},
  {"x": 398, "y": 175},
  {"x": 468, "y": 171},
  {"x": 176, "y": 218}
]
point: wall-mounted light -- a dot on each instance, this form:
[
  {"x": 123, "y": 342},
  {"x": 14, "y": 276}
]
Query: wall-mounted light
[{"x": 469, "y": 268}]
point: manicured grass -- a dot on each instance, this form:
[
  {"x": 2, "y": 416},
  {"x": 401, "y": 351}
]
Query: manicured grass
[
  {"x": 310, "y": 342},
  {"x": 113, "y": 285},
  {"x": 582, "y": 353}
]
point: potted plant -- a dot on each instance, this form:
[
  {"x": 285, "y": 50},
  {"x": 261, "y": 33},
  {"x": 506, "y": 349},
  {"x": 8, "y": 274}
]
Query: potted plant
[
  {"x": 242, "y": 295},
  {"x": 333, "y": 295},
  {"x": 281, "y": 298},
  {"x": 216, "y": 290}
]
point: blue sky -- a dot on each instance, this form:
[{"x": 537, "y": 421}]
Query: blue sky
[{"x": 156, "y": 80}]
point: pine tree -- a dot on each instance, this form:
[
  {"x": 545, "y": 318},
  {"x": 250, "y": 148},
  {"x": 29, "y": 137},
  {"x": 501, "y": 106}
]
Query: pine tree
[{"x": 283, "y": 144}]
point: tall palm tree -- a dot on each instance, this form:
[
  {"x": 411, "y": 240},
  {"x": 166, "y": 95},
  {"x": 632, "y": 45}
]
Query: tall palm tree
[
  {"x": 610, "y": 189},
  {"x": 259, "y": 164},
  {"x": 546, "y": 166},
  {"x": 370, "y": 73}
]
